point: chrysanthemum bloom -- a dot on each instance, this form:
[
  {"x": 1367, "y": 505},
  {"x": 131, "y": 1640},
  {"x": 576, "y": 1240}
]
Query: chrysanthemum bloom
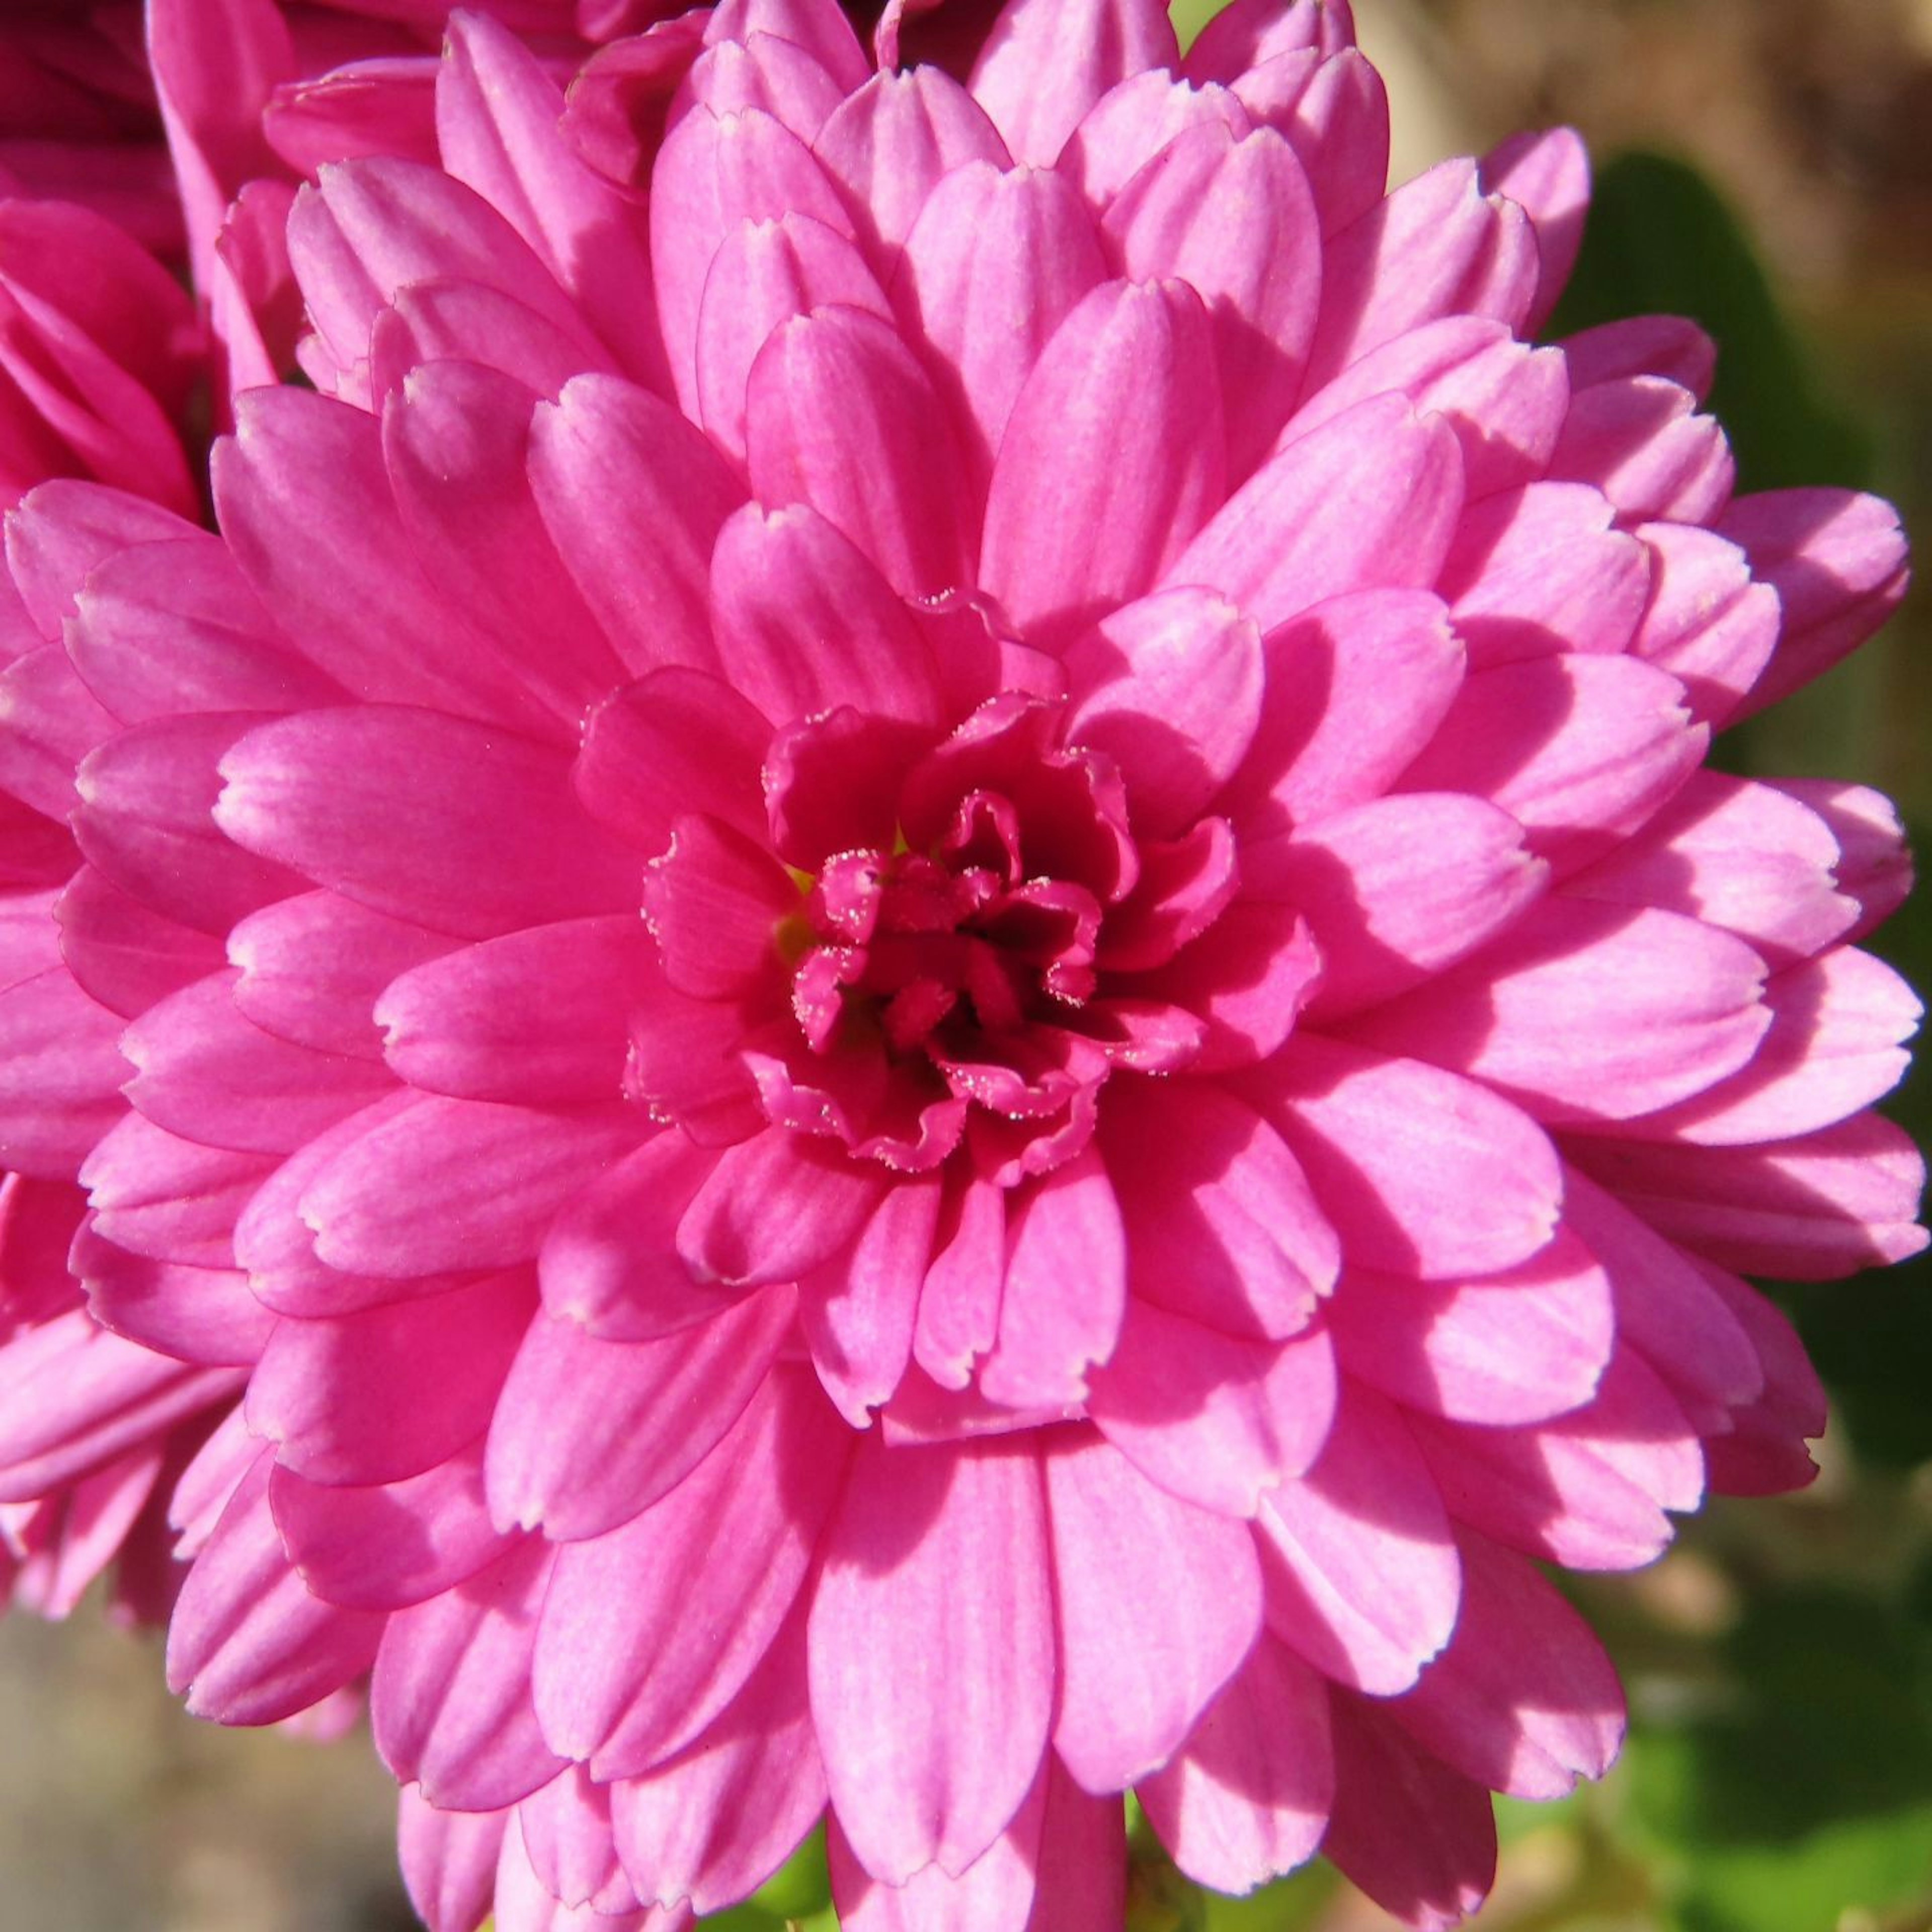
[{"x": 925, "y": 952}]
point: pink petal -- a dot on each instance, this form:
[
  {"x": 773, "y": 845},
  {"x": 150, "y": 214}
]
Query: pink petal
[
  {"x": 449, "y": 1861},
  {"x": 568, "y": 1840},
  {"x": 587, "y": 1433},
  {"x": 1426, "y": 1173},
  {"x": 1417, "y": 1837},
  {"x": 1588, "y": 1490},
  {"x": 1222, "y": 1227},
  {"x": 1356, "y": 688},
  {"x": 608, "y": 460},
  {"x": 934, "y": 1577},
  {"x": 859, "y": 1311},
  {"x": 1133, "y": 121},
  {"x": 1547, "y": 175},
  {"x": 1138, "y": 1666},
  {"x": 1588, "y": 1013},
  {"x": 1396, "y": 889},
  {"x": 1334, "y": 108},
  {"x": 61, "y": 1071},
  {"x": 841, "y": 417},
  {"x": 1438, "y": 246},
  {"x": 1065, "y": 1289},
  {"x": 123, "y": 954},
  {"x": 1213, "y": 1419},
  {"x": 891, "y": 143},
  {"x": 1751, "y": 858},
  {"x": 1580, "y": 750},
  {"x": 1315, "y": 521},
  {"x": 1170, "y": 689},
  {"x": 158, "y": 1194},
  {"x": 1819, "y": 1208},
  {"x": 994, "y": 265},
  {"x": 1360, "y": 1564},
  {"x": 1246, "y": 1799},
  {"x": 806, "y": 622},
  {"x": 394, "y": 807},
  {"x": 387, "y": 1547},
  {"x": 771, "y": 1208},
  {"x": 248, "y": 1644},
  {"x": 1837, "y": 561},
  {"x": 766, "y": 274},
  {"x": 717, "y": 1820},
  {"x": 1235, "y": 219},
  {"x": 1505, "y": 401},
  {"x": 1836, "y": 1041},
  {"x": 1524, "y": 1700},
  {"x": 537, "y": 1016},
  {"x": 1112, "y": 459},
  {"x": 203, "y": 1071},
  {"x": 326, "y": 1393},
  {"x": 497, "y": 1175},
  {"x": 649, "y": 1633},
  {"x": 450, "y": 1702},
  {"x": 1517, "y": 1347},
  {"x": 313, "y": 967},
  {"x": 1044, "y": 65},
  {"x": 1542, "y": 568}
]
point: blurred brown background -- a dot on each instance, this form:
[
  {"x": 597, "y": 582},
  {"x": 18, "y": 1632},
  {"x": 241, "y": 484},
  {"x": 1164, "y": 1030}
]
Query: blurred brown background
[{"x": 1813, "y": 119}]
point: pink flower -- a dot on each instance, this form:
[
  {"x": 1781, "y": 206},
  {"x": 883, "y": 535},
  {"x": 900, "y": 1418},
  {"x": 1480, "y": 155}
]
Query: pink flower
[{"x": 1202, "y": 1048}]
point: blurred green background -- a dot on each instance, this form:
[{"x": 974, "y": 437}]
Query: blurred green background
[{"x": 1766, "y": 166}]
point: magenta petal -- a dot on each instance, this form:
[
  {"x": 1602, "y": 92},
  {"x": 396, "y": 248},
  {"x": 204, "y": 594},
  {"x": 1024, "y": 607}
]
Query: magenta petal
[
  {"x": 1138, "y": 1667},
  {"x": 386, "y": 1547},
  {"x": 1214, "y": 1420},
  {"x": 450, "y": 1703},
  {"x": 1170, "y": 689},
  {"x": 766, "y": 274},
  {"x": 1517, "y": 1347},
  {"x": 1221, "y": 1226},
  {"x": 649, "y": 1632},
  {"x": 841, "y": 417},
  {"x": 1524, "y": 1700},
  {"x": 711, "y": 1822},
  {"x": 1235, "y": 219},
  {"x": 1246, "y": 1799},
  {"x": 991, "y": 249},
  {"x": 568, "y": 1841},
  {"x": 247, "y": 1643},
  {"x": 325, "y": 1392},
  {"x": 498, "y": 1173},
  {"x": 891, "y": 143},
  {"x": 934, "y": 1576},
  {"x": 774, "y": 1207},
  {"x": 1548, "y": 177},
  {"x": 608, "y": 462},
  {"x": 1315, "y": 522},
  {"x": 156, "y": 1194},
  {"x": 1672, "y": 1007},
  {"x": 122, "y": 954},
  {"x": 539, "y": 1016},
  {"x": 61, "y": 1074},
  {"x": 1065, "y": 1288},
  {"x": 423, "y": 816},
  {"x": 1045, "y": 64},
  {"x": 609, "y": 1263},
  {"x": 1396, "y": 889},
  {"x": 313, "y": 966},
  {"x": 859, "y": 1312},
  {"x": 1113, "y": 458},
  {"x": 449, "y": 1861},
  {"x": 1431, "y": 1173},
  {"x": 995, "y": 1893},
  {"x": 1821, "y": 1207},
  {"x": 1133, "y": 121},
  {"x": 1360, "y": 1561},
  {"x": 588, "y": 1433},
  {"x": 1417, "y": 1837},
  {"x": 806, "y": 622}
]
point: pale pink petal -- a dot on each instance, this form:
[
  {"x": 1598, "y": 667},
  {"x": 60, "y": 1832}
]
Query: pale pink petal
[
  {"x": 1247, "y": 1798},
  {"x": 934, "y": 1574},
  {"x": 1360, "y": 1564},
  {"x": 1138, "y": 1667}
]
